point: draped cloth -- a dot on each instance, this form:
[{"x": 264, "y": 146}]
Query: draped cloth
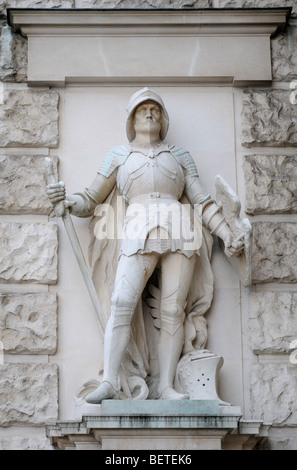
[{"x": 139, "y": 370}]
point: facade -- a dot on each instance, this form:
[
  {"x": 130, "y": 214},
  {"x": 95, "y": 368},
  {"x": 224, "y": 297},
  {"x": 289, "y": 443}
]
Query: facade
[{"x": 235, "y": 113}]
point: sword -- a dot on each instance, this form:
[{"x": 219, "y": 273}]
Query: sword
[{"x": 67, "y": 220}]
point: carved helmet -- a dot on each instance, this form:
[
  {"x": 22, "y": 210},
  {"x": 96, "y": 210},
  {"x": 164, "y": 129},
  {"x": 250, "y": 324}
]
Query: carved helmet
[{"x": 145, "y": 94}]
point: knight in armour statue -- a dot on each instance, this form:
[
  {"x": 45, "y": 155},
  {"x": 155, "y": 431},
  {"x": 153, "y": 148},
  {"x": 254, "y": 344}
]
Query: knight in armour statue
[{"x": 155, "y": 180}]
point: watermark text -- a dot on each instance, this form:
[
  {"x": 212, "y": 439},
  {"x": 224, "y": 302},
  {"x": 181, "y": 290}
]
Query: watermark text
[{"x": 159, "y": 219}]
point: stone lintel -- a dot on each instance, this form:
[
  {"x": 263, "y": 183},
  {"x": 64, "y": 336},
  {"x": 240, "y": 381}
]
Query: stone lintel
[{"x": 77, "y": 46}]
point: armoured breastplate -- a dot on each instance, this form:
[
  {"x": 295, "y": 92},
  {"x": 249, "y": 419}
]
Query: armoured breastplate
[
  {"x": 156, "y": 172},
  {"x": 152, "y": 184}
]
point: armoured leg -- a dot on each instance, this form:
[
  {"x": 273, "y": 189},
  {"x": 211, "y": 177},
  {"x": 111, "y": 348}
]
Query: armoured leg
[
  {"x": 177, "y": 272},
  {"x": 132, "y": 275}
]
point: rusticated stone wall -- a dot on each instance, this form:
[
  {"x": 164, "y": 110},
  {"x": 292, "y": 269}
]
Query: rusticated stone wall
[
  {"x": 28, "y": 247},
  {"x": 268, "y": 119},
  {"x": 29, "y": 120},
  {"x": 271, "y": 184},
  {"x": 32, "y": 392},
  {"x": 270, "y": 166},
  {"x": 29, "y": 323},
  {"x": 22, "y": 183},
  {"x": 258, "y": 4}
]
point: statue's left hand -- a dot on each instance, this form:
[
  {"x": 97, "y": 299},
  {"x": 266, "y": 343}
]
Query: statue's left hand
[{"x": 233, "y": 246}]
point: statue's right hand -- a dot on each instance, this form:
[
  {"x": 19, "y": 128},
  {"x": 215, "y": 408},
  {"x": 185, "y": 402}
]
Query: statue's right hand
[
  {"x": 56, "y": 192},
  {"x": 57, "y": 195}
]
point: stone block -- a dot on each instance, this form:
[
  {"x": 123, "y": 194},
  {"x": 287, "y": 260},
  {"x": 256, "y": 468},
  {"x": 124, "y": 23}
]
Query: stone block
[
  {"x": 268, "y": 119},
  {"x": 28, "y": 323},
  {"x": 258, "y": 4},
  {"x": 28, "y": 393},
  {"x": 272, "y": 321},
  {"x": 14, "y": 56},
  {"x": 143, "y": 4},
  {"x": 274, "y": 255},
  {"x": 280, "y": 438},
  {"x": 284, "y": 55},
  {"x": 29, "y": 118},
  {"x": 34, "y": 4},
  {"x": 25, "y": 443},
  {"x": 23, "y": 185},
  {"x": 28, "y": 253},
  {"x": 273, "y": 393},
  {"x": 270, "y": 184}
]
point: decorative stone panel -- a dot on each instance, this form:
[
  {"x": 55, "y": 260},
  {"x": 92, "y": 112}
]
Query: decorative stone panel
[
  {"x": 268, "y": 119},
  {"x": 284, "y": 55},
  {"x": 273, "y": 393},
  {"x": 273, "y": 321},
  {"x": 29, "y": 118},
  {"x": 28, "y": 393},
  {"x": 28, "y": 253},
  {"x": 23, "y": 185},
  {"x": 14, "y": 56},
  {"x": 274, "y": 254},
  {"x": 258, "y": 4},
  {"x": 35, "y": 4},
  {"x": 270, "y": 184},
  {"x": 28, "y": 323}
]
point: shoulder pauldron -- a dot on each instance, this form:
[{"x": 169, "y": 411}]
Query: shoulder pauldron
[
  {"x": 183, "y": 157},
  {"x": 116, "y": 157}
]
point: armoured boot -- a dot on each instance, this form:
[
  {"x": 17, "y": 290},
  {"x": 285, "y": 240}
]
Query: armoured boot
[
  {"x": 116, "y": 341},
  {"x": 170, "y": 347}
]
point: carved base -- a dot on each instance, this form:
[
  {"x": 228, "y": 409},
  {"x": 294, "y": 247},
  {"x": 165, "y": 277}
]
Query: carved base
[{"x": 158, "y": 425}]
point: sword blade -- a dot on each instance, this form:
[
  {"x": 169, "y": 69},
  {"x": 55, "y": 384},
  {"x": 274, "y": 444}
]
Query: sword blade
[{"x": 76, "y": 247}]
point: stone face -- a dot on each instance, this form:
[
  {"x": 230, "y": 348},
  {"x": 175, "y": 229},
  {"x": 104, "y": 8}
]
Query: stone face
[
  {"x": 29, "y": 118},
  {"x": 14, "y": 56},
  {"x": 23, "y": 185},
  {"x": 273, "y": 393},
  {"x": 25, "y": 443},
  {"x": 28, "y": 323},
  {"x": 274, "y": 254},
  {"x": 143, "y": 3},
  {"x": 258, "y": 4},
  {"x": 28, "y": 393},
  {"x": 34, "y": 4},
  {"x": 28, "y": 253},
  {"x": 273, "y": 321},
  {"x": 280, "y": 439},
  {"x": 284, "y": 55},
  {"x": 268, "y": 119},
  {"x": 270, "y": 182}
]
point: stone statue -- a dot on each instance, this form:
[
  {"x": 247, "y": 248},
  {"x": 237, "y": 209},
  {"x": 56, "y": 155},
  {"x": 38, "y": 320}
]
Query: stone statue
[{"x": 155, "y": 280}]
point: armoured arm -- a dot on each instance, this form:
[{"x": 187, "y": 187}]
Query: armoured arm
[
  {"x": 85, "y": 203},
  {"x": 211, "y": 215},
  {"x": 82, "y": 204}
]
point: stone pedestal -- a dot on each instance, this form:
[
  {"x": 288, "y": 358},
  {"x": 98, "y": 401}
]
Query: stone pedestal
[{"x": 157, "y": 425}]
